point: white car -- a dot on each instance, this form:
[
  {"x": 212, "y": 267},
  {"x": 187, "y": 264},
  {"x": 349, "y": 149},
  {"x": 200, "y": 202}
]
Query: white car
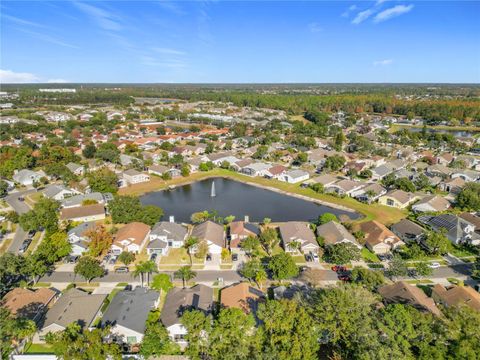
[{"x": 434, "y": 265}]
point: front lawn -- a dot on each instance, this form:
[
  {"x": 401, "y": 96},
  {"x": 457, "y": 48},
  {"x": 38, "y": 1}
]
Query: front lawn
[
  {"x": 179, "y": 257},
  {"x": 462, "y": 251},
  {"x": 38, "y": 349},
  {"x": 369, "y": 256}
]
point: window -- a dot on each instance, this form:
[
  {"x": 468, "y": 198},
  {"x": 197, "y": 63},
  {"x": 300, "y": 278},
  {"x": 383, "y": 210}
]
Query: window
[
  {"x": 390, "y": 202},
  {"x": 131, "y": 339}
]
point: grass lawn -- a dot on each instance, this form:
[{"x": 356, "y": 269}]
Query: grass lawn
[
  {"x": 369, "y": 256},
  {"x": 38, "y": 349},
  {"x": 42, "y": 284},
  {"x": 462, "y": 251},
  {"x": 299, "y": 259},
  {"x": 35, "y": 242},
  {"x": 179, "y": 257},
  {"x": 422, "y": 281},
  {"x": 384, "y": 214}
]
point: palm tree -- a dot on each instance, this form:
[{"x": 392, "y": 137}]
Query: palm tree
[
  {"x": 190, "y": 243},
  {"x": 260, "y": 277},
  {"x": 186, "y": 273},
  {"x": 295, "y": 245},
  {"x": 138, "y": 271},
  {"x": 149, "y": 267}
]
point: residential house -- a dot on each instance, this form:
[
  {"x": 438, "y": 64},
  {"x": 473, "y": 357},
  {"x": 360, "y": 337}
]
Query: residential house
[
  {"x": 158, "y": 170},
  {"x": 297, "y": 235},
  {"x": 256, "y": 169},
  {"x": 79, "y": 200},
  {"x": 240, "y": 230},
  {"x": 378, "y": 238},
  {"x": 131, "y": 237},
  {"x": 345, "y": 187},
  {"x": 456, "y": 296},
  {"x": 276, "y": 172},
  {"x": 397, "y": 198},
  {"x": 127, "y": 160},
  {"x": 78, "y": 239},
  {"x": 431, "y": 203},
  {"x": 58, "y": 192},
  {"x": 452, "y": 186},
  {"x": 212, "y": 233},
  {"x": 166, "y": 235},
  {"x": 85, "y": 213},
  {"x": 458, "y": 230},
  {"x": 132, "y": 176},
  {"x": 294, "y": 176},
  {"x": 178, "y": 300},
  {"x": 128, "y": 312},
  {"x": 242, "y": 296},
  {"x": 74, "y": 305},
  {"x": 27, "y": 303},
  {"x": 335, "y": 233},
  {"x": 404, "y": 293},
  {"x": 369, "y": 193},
  {"x": 27, "y": 177},
  {"x": 380, "y": 172},
  {"x": 466, "y": 174},
  {"x": 76, "y": 169},
  {"x": 472, "y": 219},
  {"x": 325, "y": 180},
  {"x": 408, "y": 231}
]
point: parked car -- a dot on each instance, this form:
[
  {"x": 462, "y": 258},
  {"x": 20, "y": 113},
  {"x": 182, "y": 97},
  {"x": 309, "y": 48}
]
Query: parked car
[
  {"x": 26, "y": 243},
  {"x": 209, "y": 257},
  {"x": 153, "y": 257},
  {"x": 315, "y": 257},
  {"x": 234, "y": 257},
  {"x": 21, "y": 198},
  {"x": 434, "y": 265},
  {"x": 71, "y": 259},
  {"x": 339, "y": 268},
  {"x": 112, "y": 260},
  {"x": 122, "y": 269}
]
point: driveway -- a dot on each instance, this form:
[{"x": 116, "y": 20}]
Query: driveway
[
  {"x": 20, "y": 207},
  {"x": 18, "y": 238}
]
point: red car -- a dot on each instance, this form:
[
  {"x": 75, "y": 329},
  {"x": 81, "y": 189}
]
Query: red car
[
  {"x": 344, "y": 278},
  {"x": 338, "y": 268}
]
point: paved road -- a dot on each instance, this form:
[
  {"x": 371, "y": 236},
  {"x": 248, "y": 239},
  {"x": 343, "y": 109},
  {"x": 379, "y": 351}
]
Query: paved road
[
  {"x": 20, "y": 207},
  {"x": 18, "y": 238},
  {"x": 202, "y": 276}
]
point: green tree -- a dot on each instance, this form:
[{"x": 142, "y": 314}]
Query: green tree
[
  {"x": 233, "y": 326},
  {"x": 3, "y": 188},
  {"x": 156, "y": 340},
  {"x": 127, "y": 209},
  {"x": 145, "y": 267},
  {"x": 283, "y": 266},
  {"x": 405, "y": 184},
  {"x": 252, "y": 269},
  {"x": 269, "y": 239},
  {"x": 367, "y": 278},
  {"x": 397, "y": 267},
  {"x": 161, "y": 282},
  {"x": 190, "y": 244},
  {"x": 326, "y": 217},
  {"x": 251, "y": 245},
  {"x": 13, "y": 330},
  {"x": 198, "y": 326},
  {"x": 334, "y": 163},
  {"x": 437, "y": 242},
  {"x": 469, "y": 197},
  {"x": 126, "y": 257},
  {"x": 54, "y": 247},
  {"x": 89, "y": 151},
  {"x": 341, "y": 253},
  {"x": 288, "y": 331},
  {"x": 186, "y": 273},
  {"x": 43, "y": 215},
  {"x": 74, "y": 344},
  {"x": 423, "y": 269},
  {"x": 89, "y": 268},
  {"x": 185, "y": 170},
  {"x": 103, "y": 180}
]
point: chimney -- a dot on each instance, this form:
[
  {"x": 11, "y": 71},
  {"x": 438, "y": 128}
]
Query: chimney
[
  {"x": 246, "y": 219},
  {"x": 171, "y": 218}
]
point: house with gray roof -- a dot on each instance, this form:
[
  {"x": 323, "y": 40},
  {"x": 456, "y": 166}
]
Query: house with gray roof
[
  {"x": 458, "y": 230},
  {"x": 431, "y": 203},
  {"x": 77, "y": 238},
  {"x": 212, "y": 233},
  {"x": 334, "y": 233},
  {"x": 256, "y": 169},
  {"x": 165, "y": 235},
  {"x": 128, "y": 312},
  {"x": 294, "y": 176},
  {"x": 78, "y": 200},
  {"x": 27, "y": 177},
  {"x": 74, "y": 305},
  {"x": 408, "y": 231},
  {"x": 58, "y": 192},
  {"x": 198, "y": 297},
  {"x": 76, "y": 169},
  {"x": 298, "y": 232}
]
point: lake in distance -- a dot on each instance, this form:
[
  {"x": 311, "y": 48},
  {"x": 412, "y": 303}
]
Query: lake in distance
[{"x": 238, "y": 199}]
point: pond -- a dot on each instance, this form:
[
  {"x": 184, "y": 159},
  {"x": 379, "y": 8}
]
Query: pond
[
  {"x": 238, "y": 199},
  {"x": 456, "y": 133}
]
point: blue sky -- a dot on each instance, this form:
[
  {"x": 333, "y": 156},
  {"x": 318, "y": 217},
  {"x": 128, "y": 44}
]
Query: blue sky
[{"x": 232, "y": 41}]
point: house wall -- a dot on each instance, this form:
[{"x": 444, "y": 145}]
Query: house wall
[
  {"x": 127, "y": 333},
  {"x": 177, "y": 329},
  {"x": 89, "y": 218}
]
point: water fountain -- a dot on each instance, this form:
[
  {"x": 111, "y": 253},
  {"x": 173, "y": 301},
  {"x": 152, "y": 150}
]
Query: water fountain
[{"x": 212, "y": 192}]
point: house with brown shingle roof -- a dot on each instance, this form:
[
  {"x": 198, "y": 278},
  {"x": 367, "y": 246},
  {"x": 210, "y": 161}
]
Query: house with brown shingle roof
[
  {"x": 26, "y": 303},
  {"x": 298, "y": 232},
  {"x": 86, "y": 213},
  {"x": 397, "y": 198},
  {"x": 212, "y": 233},
  {"x": 241, "y": 296},
  {"x": 240, "y": 230},
  {"x": 456, "y": 295},
  {"x": 131, "y": 237},
  {"x": 335, "y": 233},
  {"x": 431, "y": 203},
  {"x": 378, "y": 238},
  {"x": 404, "y": 293}
]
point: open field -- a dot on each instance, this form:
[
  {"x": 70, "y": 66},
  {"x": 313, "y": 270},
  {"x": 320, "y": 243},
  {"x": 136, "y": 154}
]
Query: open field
[
  {"x": 384, "y": 214},
  {"x": 396, "y": 127}
]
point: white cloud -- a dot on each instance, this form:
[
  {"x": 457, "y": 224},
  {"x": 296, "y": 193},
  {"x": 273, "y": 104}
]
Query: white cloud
[
  {"x": 48, "y": 38},
  {"x": 103, "y": 18},
  {"x": 362, "y": 16},
  {"x": 383, "y": 62},
  {"x": 314, "y": 27},
  {"x": 168, "y": 51},
  {"x": 395, "y": 11},
  {"x": 380, "y": 2},
  {"x": 347, "y": 12},
  {"x": 57, "y": 81},
  {"x": 19, "y": 21},
  {"x": 9, "y": 76},
  {"x": 169, "y": 63}
]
